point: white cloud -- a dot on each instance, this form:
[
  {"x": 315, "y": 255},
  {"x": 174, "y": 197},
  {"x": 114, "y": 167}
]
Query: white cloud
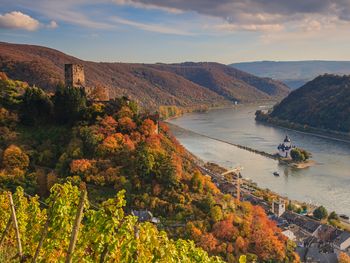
[
  {"x": 53, "y": 24},
  {"x": 151, "y": 27},
  {"x": 18, "y": 20}
]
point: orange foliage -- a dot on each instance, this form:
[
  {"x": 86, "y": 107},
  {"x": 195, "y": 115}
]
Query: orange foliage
[
  {"x": 135, "y": 137},
  {"x": 108, "y": 125},
  {"x": 240, "y": 245},
  {"x": 208, "y": 242},
  {"x": 343, "y": 258},
  {"x": 128, "y": 143},
  {"x": 266, "y": 237},
  {"x": 109, "y": 145},
  {"x": 80, "y": 166},
  {"x": 225, "y": 229},
  {"x": 126, "y": 124},
  {"x": 148, "y": 127},
  {"x": 153, "y": 142}
]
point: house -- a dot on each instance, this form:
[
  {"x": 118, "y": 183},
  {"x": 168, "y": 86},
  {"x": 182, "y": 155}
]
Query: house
[
  {"x": 342, "y": 241},
  {"x": 325, "y": 233},
  {"x": 278, "y": 207},
  {"x": 145, "y": 216},
  {"x": 314, "y": 255},
  {"x": 289, "y": 234},
  {"x": 306, "y": 223}
]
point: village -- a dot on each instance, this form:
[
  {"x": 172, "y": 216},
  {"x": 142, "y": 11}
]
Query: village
[{"x": 316, "y": 241}]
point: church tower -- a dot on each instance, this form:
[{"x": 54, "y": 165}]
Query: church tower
[{"x": 74, "y": 75}]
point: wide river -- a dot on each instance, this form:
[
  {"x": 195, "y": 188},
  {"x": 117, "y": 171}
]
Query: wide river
[{"x": 326, "y": 183}]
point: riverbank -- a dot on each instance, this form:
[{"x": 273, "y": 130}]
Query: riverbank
[{"x": 264, "y": 118}]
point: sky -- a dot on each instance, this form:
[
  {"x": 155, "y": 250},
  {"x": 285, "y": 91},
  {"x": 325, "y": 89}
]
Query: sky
[{"x": 150, "y": 31}]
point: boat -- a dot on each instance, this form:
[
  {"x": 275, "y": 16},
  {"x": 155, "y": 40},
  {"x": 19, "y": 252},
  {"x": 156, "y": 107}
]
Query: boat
[{"x": 276, "y": 174}]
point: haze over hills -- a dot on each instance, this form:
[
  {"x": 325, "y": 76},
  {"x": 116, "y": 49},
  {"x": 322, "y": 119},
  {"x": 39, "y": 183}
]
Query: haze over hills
[
  {"x": 322, "y": 103},
  {"x": 294, "y": 73},
  {"x": 186, "y": 85}
]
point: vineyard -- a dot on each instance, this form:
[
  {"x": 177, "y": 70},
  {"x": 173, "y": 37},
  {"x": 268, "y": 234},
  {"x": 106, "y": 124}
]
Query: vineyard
[{"x": 69, "y": 230}]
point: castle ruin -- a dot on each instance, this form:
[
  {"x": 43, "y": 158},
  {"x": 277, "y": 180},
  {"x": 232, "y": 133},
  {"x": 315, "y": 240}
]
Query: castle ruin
[{"x": 74, "y": 75}]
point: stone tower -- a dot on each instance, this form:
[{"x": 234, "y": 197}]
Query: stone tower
[{"x": 74, "y": 75}]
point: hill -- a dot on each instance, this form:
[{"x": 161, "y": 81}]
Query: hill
[
  {"x": 294, "y": 73},
  {"x": 322, "y": 103},
  {"x": 53, "y": 141},
  {"x": 226, "y": 81},
  {"x": 185, "y": 85}
]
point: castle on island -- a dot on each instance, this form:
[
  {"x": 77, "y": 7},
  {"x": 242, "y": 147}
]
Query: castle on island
[{"x": 285, "y": 148}]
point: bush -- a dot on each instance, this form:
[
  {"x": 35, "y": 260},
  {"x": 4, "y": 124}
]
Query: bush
[
  {"x": 299, "y": 155},
  {"x": 320, "y": 213}
]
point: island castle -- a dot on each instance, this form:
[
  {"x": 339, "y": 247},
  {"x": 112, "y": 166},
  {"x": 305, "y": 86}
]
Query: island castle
[{"x": 285, "y": 148}]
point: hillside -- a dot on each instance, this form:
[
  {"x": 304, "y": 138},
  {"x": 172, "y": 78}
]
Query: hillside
[
  {"x": 321, "y": 103},
  {"x": 50, "y": 142},
  {"x": 294, "y": 73},
  {"x": 185, "y": 85},
  {"x": 228, "y": 82}
]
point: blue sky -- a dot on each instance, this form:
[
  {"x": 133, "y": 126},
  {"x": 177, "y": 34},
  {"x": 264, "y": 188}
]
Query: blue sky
[{"x": 167, "y": 31}]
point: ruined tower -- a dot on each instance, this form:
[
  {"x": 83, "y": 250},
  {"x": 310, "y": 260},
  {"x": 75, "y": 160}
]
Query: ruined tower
[{"x": 74, "y": 75}]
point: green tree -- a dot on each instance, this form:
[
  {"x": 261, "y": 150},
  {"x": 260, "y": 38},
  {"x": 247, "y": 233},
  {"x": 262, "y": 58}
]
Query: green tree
[
  {"x": 70, "y": 104},
  {"x": 320, "y": 212},
  {"x": 36, "y": 107},
  {"x": 10, "y": 91},
  {"x": 333, "y": 216},
  {"x": 299, "y": 155}
]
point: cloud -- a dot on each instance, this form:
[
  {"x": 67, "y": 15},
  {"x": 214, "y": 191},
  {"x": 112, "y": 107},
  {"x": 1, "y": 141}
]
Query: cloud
[
  {"x": 18, "y": 20},
  {"x": 256, "y": 15},
  {"x": 53, "y": 24},
  {"x": 151, "y": 27}
]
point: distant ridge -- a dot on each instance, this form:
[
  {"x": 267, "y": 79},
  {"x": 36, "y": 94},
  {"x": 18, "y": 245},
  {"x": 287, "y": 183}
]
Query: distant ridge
[
  {"x": 294, "y": 73},
  {"x": 185, "y": 85},
  {"x": 322, "y": 103}
]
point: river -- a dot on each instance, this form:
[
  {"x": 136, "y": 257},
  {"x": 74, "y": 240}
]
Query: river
[{"x": 326, "y": 183}]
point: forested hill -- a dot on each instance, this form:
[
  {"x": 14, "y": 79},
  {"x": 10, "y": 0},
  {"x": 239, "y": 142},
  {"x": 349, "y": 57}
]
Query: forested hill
[
  {"x": 186, "y": 85},
  {"x": 322, "y": 103},
  {"x": 52, "y": 142}
]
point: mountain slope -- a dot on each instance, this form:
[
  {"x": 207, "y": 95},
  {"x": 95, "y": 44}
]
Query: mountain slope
[
  {"x": 294, "y": 73},
  {"x": 228, "y": 82},
  {"x": 151, "y": 85},
  {"x": 322, "y": 103}
]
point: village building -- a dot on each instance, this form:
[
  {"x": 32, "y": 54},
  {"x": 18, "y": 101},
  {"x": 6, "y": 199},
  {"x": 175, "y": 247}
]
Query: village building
[
  {"x": 342, "y": 241},
  {"x": 145, "y": 216},
  {"x": 278, "y": 207}
]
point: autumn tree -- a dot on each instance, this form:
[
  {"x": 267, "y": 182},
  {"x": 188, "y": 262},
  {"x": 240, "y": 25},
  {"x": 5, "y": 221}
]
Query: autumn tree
[
  {"x": 14, "y": 157},
  {"x": 343, "y": 258},
  {"x": 148, "y": 127}
]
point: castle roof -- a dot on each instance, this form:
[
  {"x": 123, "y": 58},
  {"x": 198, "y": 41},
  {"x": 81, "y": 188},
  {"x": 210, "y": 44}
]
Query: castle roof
[{"x": 286, "y": 139}]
